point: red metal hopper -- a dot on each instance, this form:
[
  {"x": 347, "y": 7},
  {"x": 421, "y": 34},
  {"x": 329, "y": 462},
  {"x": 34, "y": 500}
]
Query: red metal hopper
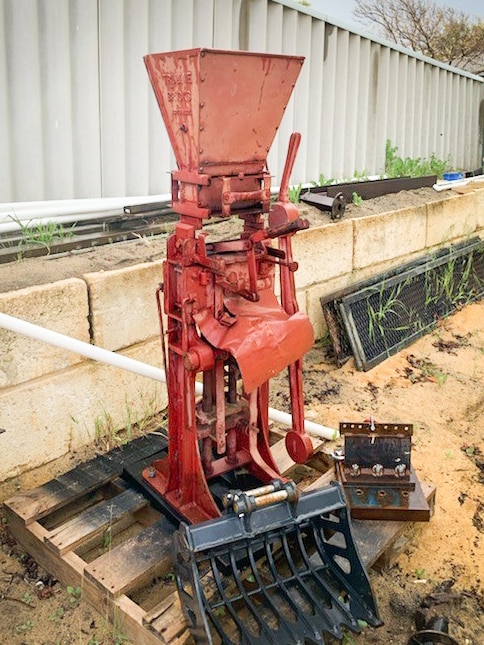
[{"x": 222, "y": 110}]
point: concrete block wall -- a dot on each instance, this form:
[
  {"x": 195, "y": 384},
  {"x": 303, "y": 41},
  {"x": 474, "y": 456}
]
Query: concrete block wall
[
  {"x": 345, "y": 252},
  {"x": 53, "y": 401}
]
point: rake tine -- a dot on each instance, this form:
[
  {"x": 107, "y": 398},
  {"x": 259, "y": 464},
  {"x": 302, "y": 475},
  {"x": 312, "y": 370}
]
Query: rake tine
[
  {"x": 282, "y": 587},
  {"x": 227, "y": 603},
  {"x": 331, "y": 629},
  {"x": 248, "y": 601},
  {"x": 356, "y": 599},
  {"x": 324, "y": 586},
  {"x": 269, "y": 600}
]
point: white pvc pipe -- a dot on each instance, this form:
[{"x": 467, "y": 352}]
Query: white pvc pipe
[
  {"x": 456, "y": 183},
  {"x": 24, "y": 210},
  {"x": 124, "y": 362},
  {"x": 80, "y": 347},
  {"x": 16, "y": 215},
  {"x": 315, "y": 429},
  {"x": 17, "y": 225}
]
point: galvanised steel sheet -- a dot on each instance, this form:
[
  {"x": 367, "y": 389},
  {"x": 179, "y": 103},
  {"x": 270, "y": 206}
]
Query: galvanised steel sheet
[{"x": 78, "y": 118}]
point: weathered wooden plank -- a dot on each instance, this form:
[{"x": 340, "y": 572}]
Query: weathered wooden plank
[
  {"x": 137, "y": 449},
  {"x": 166, "y": 619},
  {"x": 94, "y": 521},
  {"x": 325, "y": 479},
  {"x": 68, "y": 569},
  {"x": 35, "y": 504},
  {"x": 129, "y": 617},
  {"x": 134, "y": 562},
  {"x": 172, "y": 624},
  {"x": 282, "y": 458}
]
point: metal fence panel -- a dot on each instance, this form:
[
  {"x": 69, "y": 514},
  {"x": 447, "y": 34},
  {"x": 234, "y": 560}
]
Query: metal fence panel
[
  {"x": 49, "y": 99},
  {"x": 78, "y": 117}
]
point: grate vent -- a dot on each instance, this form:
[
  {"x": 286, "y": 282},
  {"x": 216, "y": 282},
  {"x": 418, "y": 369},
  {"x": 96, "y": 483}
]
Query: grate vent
[{"x": 384, "y": 315}]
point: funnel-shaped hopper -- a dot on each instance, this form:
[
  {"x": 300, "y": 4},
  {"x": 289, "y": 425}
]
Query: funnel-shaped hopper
[{"x": 222, "y": 109}]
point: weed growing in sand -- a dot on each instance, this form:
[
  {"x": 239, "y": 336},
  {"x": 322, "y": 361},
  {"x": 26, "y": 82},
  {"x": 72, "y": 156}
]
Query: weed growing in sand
[
  {"x": 385, "y": 305},
  {"x": 45, "y": 234},
  {"x": 24, "y": 627},
  {"x": 396, "y": 166},
  {"x": 322, "y": 181},
  {"x": 58, "y": 615},
  {"x": 295, "y": 193},
  {"x": 75, "y": 594},
  {"x": 356, "y": 199}
]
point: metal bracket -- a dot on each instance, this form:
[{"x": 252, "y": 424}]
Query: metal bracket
[{"x": 377, "y": 473}]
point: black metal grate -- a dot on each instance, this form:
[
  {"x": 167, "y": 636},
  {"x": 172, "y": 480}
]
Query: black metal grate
[
  {"x": 302, "y": 580},
  {"x": 388, "y": 313}
]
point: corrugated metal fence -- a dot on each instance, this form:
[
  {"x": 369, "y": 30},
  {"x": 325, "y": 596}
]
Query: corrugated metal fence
[{"x": 78, "y": 117}]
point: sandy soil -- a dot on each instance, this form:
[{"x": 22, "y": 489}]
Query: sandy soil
[{"x": 436, "y": 384}]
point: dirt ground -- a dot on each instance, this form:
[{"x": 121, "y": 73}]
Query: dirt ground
[{"x": 436, "y": 384}]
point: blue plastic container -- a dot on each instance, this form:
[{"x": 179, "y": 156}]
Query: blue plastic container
[{"x": 453, "y": 175}]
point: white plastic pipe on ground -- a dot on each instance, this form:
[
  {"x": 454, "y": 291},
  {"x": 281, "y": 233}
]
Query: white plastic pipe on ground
[
  {"x": 15, "y": 225},
  {"x": 24, "y": 210},
  {"x": 130, "y": 364},
  {"x": 16, "y": 215}
]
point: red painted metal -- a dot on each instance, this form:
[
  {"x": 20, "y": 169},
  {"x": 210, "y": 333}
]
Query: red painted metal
[{"x": 222, "y": 110}]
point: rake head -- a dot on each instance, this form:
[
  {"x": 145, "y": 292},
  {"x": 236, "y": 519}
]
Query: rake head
[{"x": 286, "y": 573}]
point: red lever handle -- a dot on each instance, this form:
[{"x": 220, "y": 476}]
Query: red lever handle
[{"x": 292, "y": 149}]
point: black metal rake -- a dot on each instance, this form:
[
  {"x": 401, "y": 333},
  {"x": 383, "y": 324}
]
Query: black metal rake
[{"x": 284, "y": 574}]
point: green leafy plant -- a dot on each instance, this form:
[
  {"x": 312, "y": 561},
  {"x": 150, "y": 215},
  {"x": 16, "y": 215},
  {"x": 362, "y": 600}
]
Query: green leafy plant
[
  {"x": 360, "y": 175},
  {"x": 74, "y": 593},
  {"x": 295, "y": 193},
  {"x": 440, "y": 377},
  {"x": 58, "y": 615},
  {"x": 107, "y": 538},
  {"x": 420, "y": 573},
  {"x": 44, "y": 234},
  {"x": 24, "y": 627},
  {"x": 432, "y": 372},
  {"x": 356, "y": 199},
  {"x": 396, "y": 166},
  {"x": 384, "y": 306},
  {"x": 105, "y": 430},
  {"x": 27, "y": 598},
  {"x": 347, "y": 639},
  {"x": 322, "y": 181}
]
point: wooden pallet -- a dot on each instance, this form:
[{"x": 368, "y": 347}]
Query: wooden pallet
[{"x": 92, "y": 529}]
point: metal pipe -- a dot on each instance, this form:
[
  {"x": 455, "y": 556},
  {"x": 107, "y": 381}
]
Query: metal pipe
[{"x": 96, "y": 353}]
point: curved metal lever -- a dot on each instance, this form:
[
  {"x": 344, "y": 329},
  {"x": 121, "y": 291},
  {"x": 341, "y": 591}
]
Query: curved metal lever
[{"x": 292, "y": 149}]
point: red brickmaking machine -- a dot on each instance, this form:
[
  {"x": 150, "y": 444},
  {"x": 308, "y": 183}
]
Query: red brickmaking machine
[{"x": 256, "y": 562}]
